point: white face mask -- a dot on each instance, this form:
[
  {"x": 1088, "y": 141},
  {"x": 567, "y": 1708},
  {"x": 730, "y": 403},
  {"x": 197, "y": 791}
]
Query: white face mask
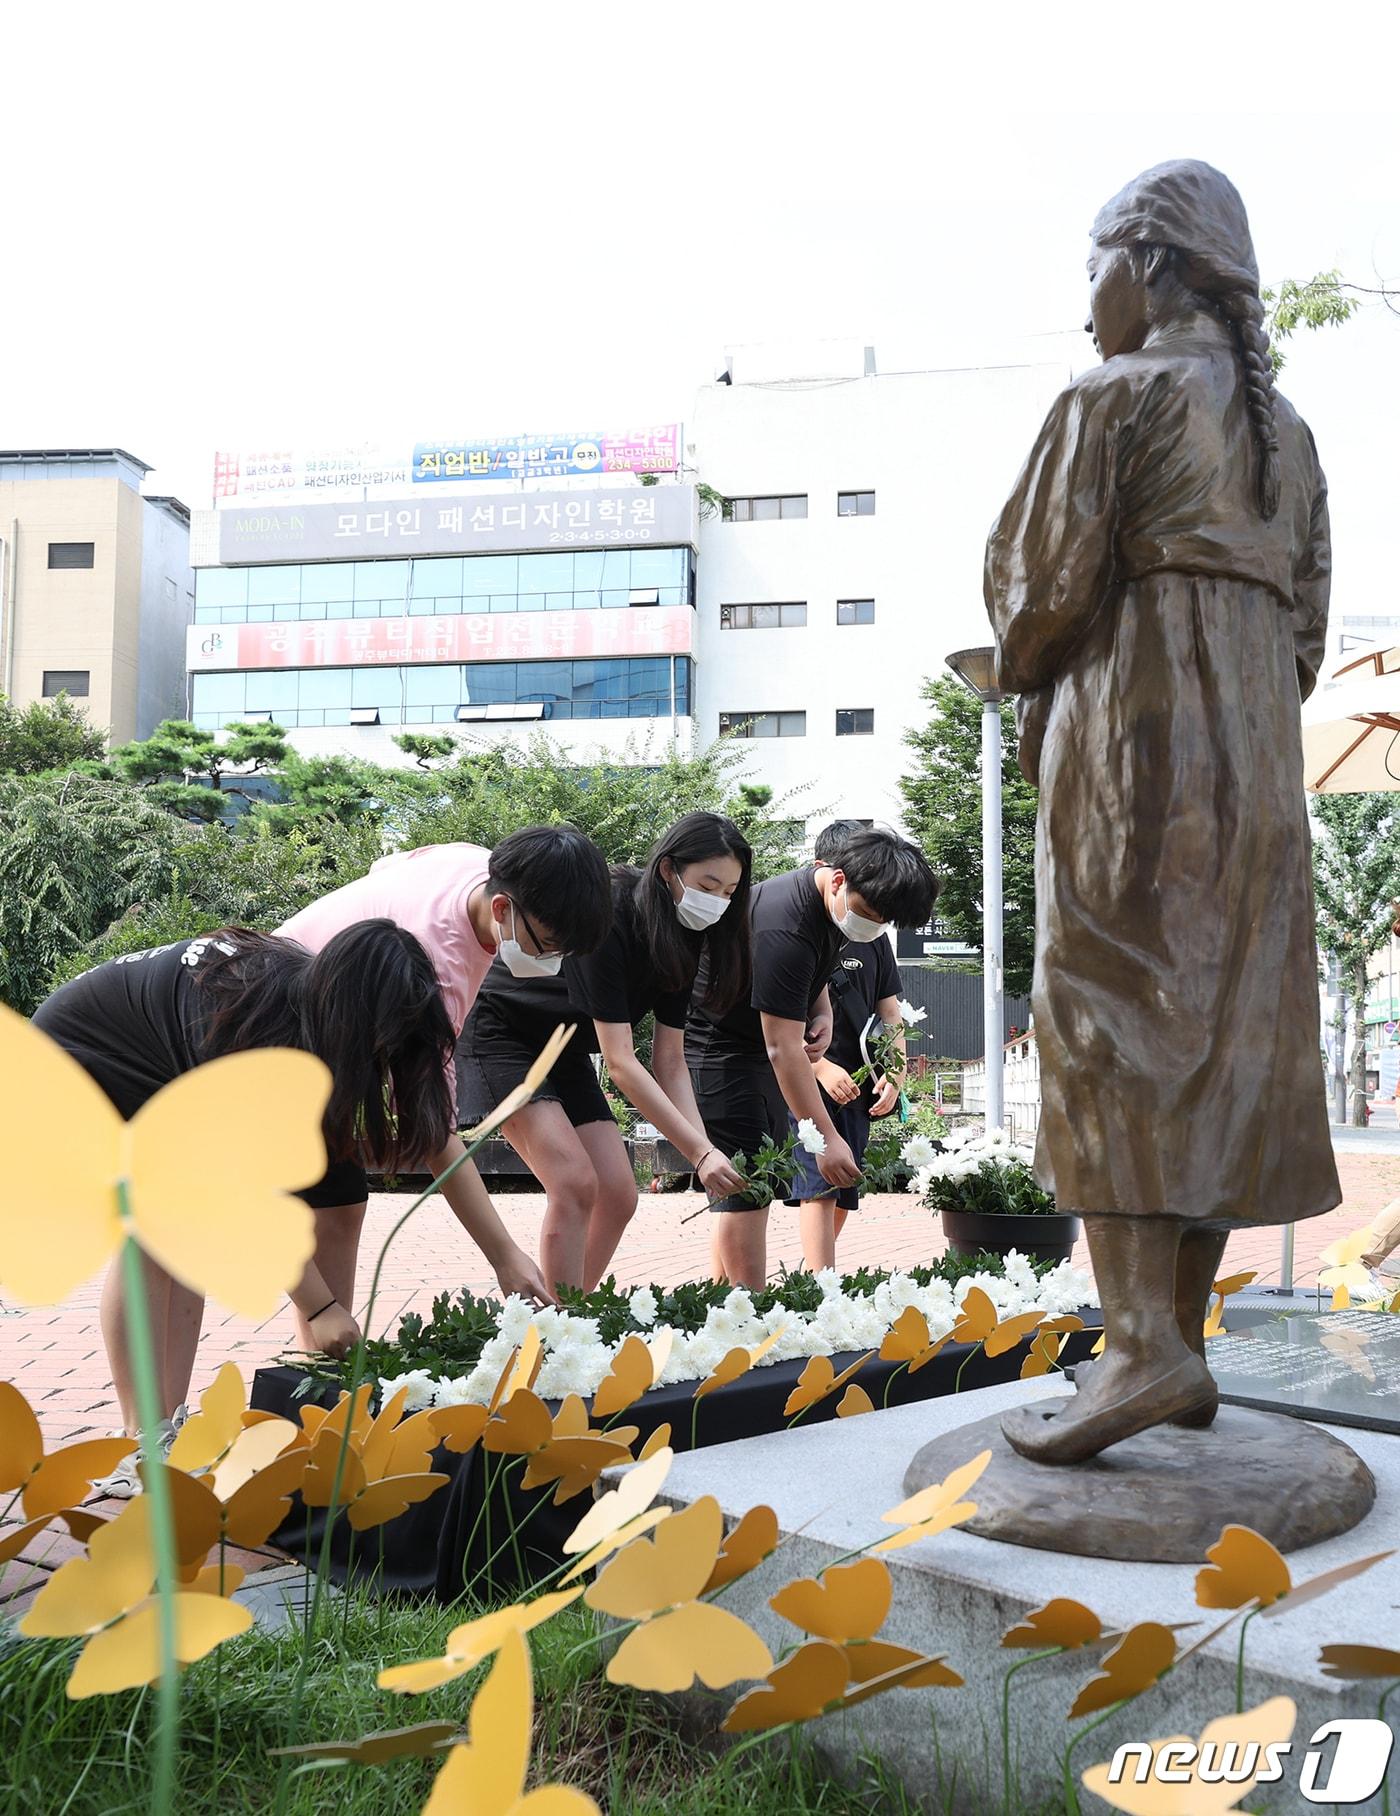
[
  {"x": 855, "y": 926},
  {"x": 698, "y": 910},
  {"x": 526, "y": 964}
]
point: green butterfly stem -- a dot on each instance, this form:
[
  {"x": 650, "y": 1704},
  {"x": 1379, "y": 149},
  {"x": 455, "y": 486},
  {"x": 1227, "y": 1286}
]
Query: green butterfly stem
[
  {"x": 894, "y": 1376},
  {"x": 1072, "y": 1805},
  {"x": 957, "y": 1378},
  {"x": 1020, "y": 1665},
  {"x": 357, "y": 1373},
  {"x": 1239, "y": 1662},
  {"x": 143, "y": 1368}
]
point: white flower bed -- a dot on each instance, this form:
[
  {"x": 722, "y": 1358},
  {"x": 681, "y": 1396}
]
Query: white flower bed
[{"x": 576, "y": 1361}]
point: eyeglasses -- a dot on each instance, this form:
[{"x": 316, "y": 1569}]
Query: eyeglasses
[{"x": 540, "y": 947}]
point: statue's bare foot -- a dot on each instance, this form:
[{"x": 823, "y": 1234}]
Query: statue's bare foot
[
  {"x": 1196, "y": 1418},
  {"x": 1119, "y": 1399}
]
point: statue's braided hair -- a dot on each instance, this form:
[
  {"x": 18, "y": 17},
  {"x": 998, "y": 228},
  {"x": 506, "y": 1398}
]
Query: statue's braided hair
[{"x": 1244, "y": 312}]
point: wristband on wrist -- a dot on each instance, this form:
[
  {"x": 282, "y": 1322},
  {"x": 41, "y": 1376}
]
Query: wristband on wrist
[
  {"x": 325, "y": 1308},
  {"x": 703, "y": 1156}
]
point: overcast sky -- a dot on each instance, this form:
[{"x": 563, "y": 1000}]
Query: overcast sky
[{"x": 275, "y": 224}]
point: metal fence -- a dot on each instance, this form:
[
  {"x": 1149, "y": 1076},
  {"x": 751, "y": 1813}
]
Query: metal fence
[{"x": 953, "y": 1000}]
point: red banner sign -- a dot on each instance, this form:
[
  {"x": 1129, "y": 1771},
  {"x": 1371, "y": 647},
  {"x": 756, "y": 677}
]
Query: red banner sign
[{"x": 638, "y": 630}]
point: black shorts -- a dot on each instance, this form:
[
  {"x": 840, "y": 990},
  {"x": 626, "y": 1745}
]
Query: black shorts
[
  {"x": 741, "y": 1106},
  {"x": 852, "y": 1122},
  {"x": 344, "y": 1182},
  {"x": 494, "y": 1068}
]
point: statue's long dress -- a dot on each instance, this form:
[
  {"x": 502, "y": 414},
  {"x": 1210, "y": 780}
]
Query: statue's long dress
[{"x": 1164, "y": 634}]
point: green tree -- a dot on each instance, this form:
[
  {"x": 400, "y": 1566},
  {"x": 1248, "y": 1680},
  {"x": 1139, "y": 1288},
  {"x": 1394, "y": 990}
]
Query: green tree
[
  {"x": 427, "y": 748},
  {"x": 46, "y": 734},
  {"x": 177, "y": 750},
  {"x": 347, "y": 790},
  {"x": 76, "y": 852},
  {"x": 943, "y": 811},
  {"x": 1318, "y": 302},
  {"x": 1356, "y": 874},
  {"x": 622, "y": 801}
]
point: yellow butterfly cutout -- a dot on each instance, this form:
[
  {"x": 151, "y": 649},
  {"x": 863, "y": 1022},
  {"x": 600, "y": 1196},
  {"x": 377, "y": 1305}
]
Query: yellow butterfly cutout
[
  {"x": 659, "y": 1346},
  {"x": 529, "y": 1359},
  {"x": 575, "y": 1463},
  {"x": 1354, "y": 1662},
  {"x": 1192, "y": 1794},
  {"x": 107, "y": 1596},
  {"x": 633, "y": 1495},
  {"x": 848, "y": 1601},
  {"x": 233, "y": 1230},
  {"x": 1245, "y": 1569},
  {"x": 521, "y": 1426},
  {"x": 854, "y": 1401},
  {"x": 207, "y": 1434},
  {"x": 1233, "y": 1283},
  {"x": 418, "y": 1742},
  {"x": 367, "y": 1493},
  {"x": 49, "y": 1482},
  {"x": 485, "y": 1776},
  {"x": 658, "y": 1581},
  {"x": 1060, "y": 1622},
  {"x": 632, "y": 1373},
  {"x": 908, "y": 1340},
  {"x": 1043, "y": 1355},
  {"x": 800, "y": 1688},
  {"x": 736, "y": 1363},
  {"x": 881, "y": 1665},
  {"x": 818, "y": 1380},
  {"x": 658, "y": 1440},
  {"x": 474, "y": 1641},
  {"x": 457, "y": 1428},
  {"x": 1134, "y": 1665},
  {"x": 617, "y": 1541},
  {"x": 522, "y": 1093},
  {"x": 935, "y": 1508},
  {"x": 753, "y": 1539},
  {"x": 1344, "y": 1272},
  {"x": 978, "y": 1323}
]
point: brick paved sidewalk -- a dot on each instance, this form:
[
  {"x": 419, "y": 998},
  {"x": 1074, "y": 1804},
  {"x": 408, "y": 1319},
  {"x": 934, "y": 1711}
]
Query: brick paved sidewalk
[{"x": 55, "y": 1355}]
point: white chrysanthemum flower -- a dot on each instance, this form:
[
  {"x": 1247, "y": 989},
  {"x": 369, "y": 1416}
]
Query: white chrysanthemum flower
[
  {"x": 739, "y": 1305},
  {"x": 642, "y": 1306},
  {"x": 909, "y": 1015},
  {"x": 452, "y": 1390},
  {"x": 420, "y": 1385},
  {"x": 829, "y": 1281},
  {"x": 918, "y": 1151},
  {"x": 515, "y": 1318},
  {"x": 810, "y": 1136},
  {"x": 481, "y": 1383}
]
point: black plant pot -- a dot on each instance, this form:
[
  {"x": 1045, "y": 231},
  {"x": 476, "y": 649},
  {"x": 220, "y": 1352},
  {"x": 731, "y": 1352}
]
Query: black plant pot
[{"x": 1050, "y": 1237}]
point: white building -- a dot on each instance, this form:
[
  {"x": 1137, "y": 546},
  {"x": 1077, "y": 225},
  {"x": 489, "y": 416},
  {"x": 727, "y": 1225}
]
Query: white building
[{"x": 848, "y": 562}]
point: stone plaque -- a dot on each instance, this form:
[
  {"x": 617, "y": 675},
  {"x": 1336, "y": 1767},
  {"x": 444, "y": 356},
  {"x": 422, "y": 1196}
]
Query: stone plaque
[{"x": 1340, "y": 1368}]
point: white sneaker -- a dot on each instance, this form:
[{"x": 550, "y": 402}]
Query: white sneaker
[{"x": 123, "y": 1483}]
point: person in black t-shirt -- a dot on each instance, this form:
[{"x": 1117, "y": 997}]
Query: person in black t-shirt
[
  {"x": 752, "y": 1066},
  {"x": 864, "y": 989},
  {"x": 689, "y": 898},
  {"x": 368, "y": 1005}
]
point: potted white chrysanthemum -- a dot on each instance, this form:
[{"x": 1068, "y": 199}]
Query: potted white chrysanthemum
[{"x": 988, "y": 1200}]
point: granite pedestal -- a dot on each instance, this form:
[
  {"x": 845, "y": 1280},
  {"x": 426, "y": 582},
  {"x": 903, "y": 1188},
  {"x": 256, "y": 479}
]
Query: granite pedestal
[{"x": 957, "y": 1594}]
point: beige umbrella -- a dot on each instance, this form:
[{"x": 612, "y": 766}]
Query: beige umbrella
[{"x": 1351, "y": 730}]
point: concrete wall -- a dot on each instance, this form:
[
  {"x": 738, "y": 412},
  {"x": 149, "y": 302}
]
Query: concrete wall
[
  {"x": 167, "y": 607},
  {"x": 581, "y": 738},
  {"x": 940, "y": 450},
  {"x": 68, "y": 619}
]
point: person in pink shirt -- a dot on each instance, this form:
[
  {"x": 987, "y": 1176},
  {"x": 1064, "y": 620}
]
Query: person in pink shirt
[{"x": 541, "y": 893}]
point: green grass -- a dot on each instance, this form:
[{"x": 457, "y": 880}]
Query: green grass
[{"x": 631, "y": 1753}]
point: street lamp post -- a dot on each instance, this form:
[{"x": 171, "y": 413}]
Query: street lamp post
[{"x": 977, "y": 670}]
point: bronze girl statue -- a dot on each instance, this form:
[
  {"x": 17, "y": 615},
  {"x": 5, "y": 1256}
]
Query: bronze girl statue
[{"x": 1158, "y": 586}]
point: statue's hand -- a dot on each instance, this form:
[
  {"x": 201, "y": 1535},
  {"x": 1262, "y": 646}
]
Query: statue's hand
[{"x": 1032, "y": 716}]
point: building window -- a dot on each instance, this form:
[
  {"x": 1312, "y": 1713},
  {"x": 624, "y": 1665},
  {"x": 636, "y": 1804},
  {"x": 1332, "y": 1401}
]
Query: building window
[
  {"x": 763, "y": 725},
  {"x": 855, "y": 721},
  {"x": 70, "y": 554},
  {"x": 439, "y": 586},
  {"x": 72, "y": 681},
  {"x": 764, "y": 510},
  {"x": 855, "y": 504},
  {"x": 855, "y": 611},
  {"x": 646, "y": 687},
  {"x": 762, "y": 617}
]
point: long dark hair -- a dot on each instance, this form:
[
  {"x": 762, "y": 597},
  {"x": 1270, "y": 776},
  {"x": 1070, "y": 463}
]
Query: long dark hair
[
  {"x": 675, "y": 952},
  {"x": 368, "y": 1004}
]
